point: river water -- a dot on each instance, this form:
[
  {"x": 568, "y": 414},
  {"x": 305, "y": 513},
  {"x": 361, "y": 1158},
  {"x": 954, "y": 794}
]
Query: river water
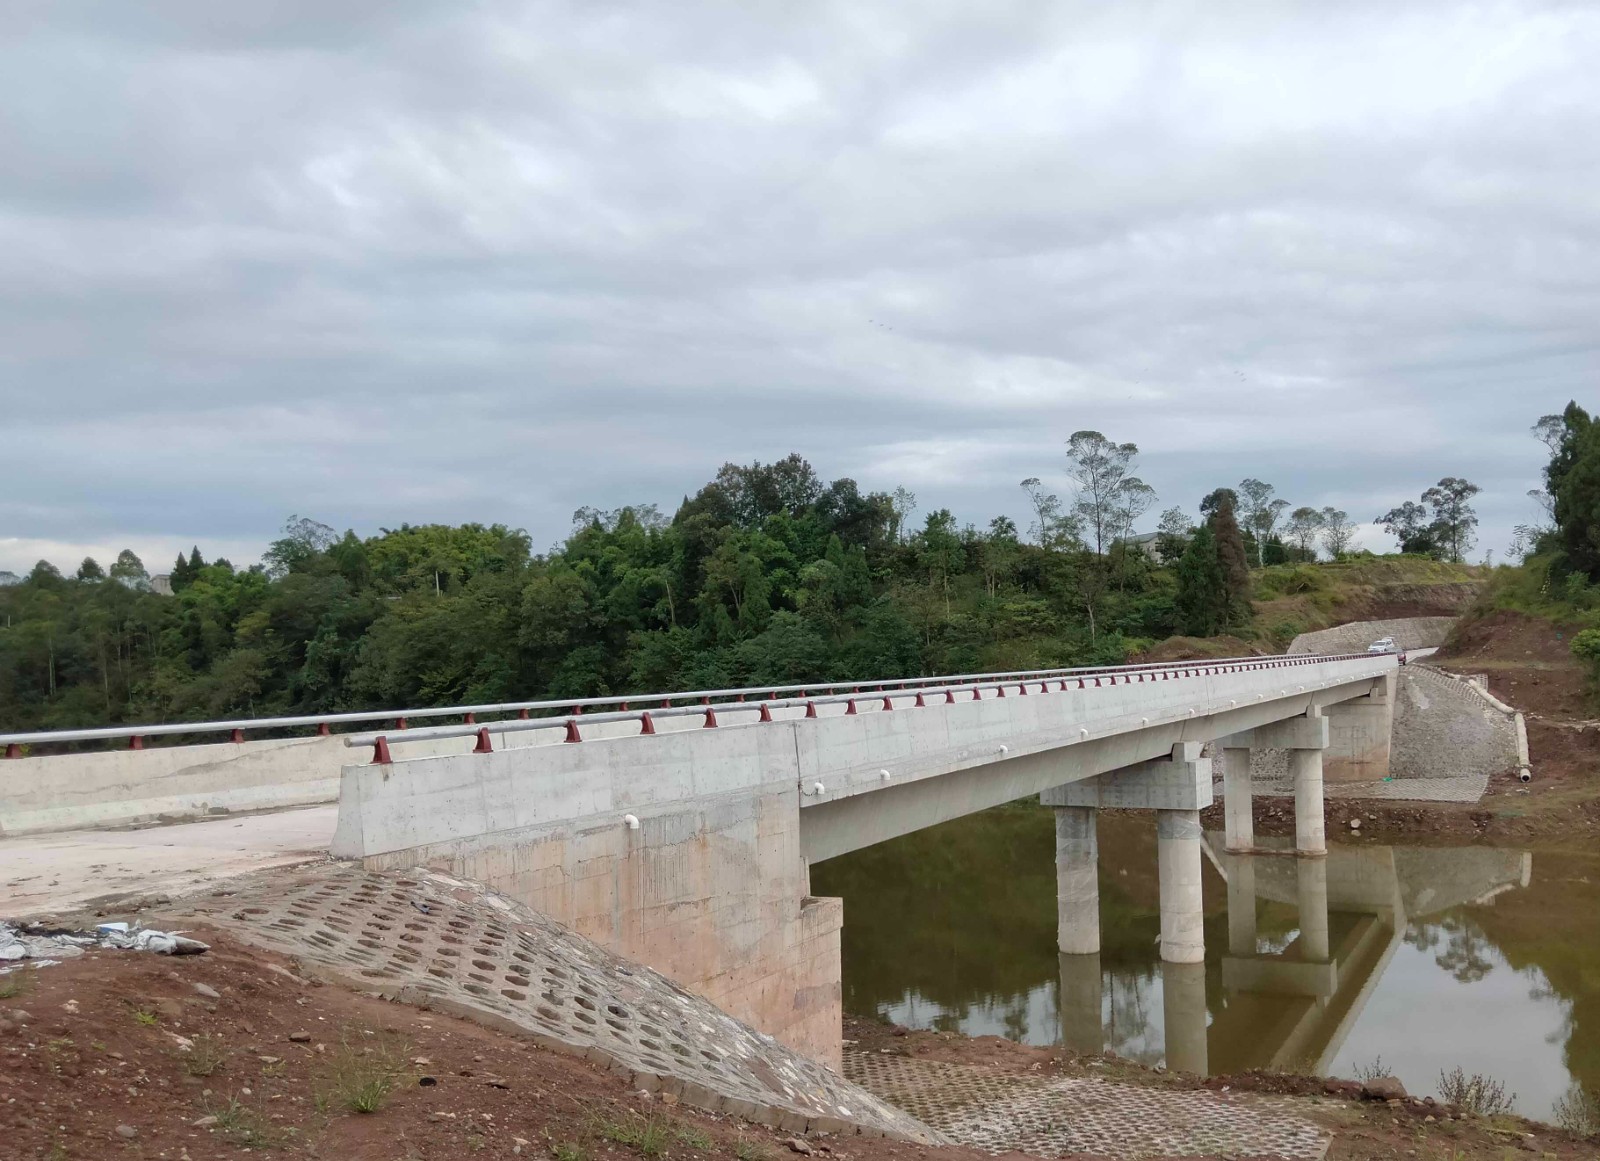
[{"x": 1486, "y": 959}]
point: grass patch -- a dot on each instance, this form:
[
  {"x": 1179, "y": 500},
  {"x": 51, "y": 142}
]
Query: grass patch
[
  {"x": 143, "y": 1015},
  {"x": 747, "y": 1150},
  {"x": 245, "y": 1127},
  {"x": 649, "y": 1137},
  {"x": 361, "y": 1076},
  {"x": 16, "y": 983},
  {"x": 695, "y": 1138},
  {"x": 569, "y": 1151},
  {"x": 205, "y": 1056},
  {"x": 1476, "y": 1093}
]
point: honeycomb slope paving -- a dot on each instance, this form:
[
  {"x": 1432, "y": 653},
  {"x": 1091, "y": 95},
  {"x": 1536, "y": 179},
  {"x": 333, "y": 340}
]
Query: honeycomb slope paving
[
  {"x": 1055, "y": 1116},
  {"x": 454, "y": 946}
]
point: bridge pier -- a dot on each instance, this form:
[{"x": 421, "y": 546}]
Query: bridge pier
[
  {"x": 1237, "y": 804},
  {"x": 1177, "y": 788},
  {"x": 1183, "y": 1017},
  {"x": 1305, "y": 738},
  {"x": 1077, "y": 881},
  {"x": 1311, "y": 894}
]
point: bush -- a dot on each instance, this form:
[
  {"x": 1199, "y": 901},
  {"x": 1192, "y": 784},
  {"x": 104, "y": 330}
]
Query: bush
[
  {"x": 1476, "y": 1093},
  {"x": 1586, "y": 648}
]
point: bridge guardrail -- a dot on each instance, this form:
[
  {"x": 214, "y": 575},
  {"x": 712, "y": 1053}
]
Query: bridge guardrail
[{"x": 703, "y": 702}]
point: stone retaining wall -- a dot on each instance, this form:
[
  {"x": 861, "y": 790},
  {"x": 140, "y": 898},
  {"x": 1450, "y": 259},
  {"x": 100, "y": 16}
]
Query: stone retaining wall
[{"x": 1410, "y": 632}]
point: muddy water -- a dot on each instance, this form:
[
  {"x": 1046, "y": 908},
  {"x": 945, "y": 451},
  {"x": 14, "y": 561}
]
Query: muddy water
[{"x": 1480, "y": 958}]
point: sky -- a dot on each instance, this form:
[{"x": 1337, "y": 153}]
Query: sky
[{"x": 387, "y": 261}]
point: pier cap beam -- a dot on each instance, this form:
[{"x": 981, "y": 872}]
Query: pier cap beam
[
  {"x": 1302, "y": 733},
  {"x": 1179, "y": 782}
]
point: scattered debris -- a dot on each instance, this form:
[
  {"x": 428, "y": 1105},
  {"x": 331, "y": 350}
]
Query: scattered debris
[{"x": 42, "y": 946}]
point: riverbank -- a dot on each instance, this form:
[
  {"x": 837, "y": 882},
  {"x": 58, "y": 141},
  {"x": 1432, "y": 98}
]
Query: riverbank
[
  {"x": 1368, "y": 1122},
  {"x": 236, "y": 1052}
]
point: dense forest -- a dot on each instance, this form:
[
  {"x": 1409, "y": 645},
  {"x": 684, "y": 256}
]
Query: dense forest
[{"x": 765, "y": 575}]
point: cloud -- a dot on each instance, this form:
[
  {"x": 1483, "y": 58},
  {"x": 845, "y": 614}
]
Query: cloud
[{"x": 419, "y": 261}]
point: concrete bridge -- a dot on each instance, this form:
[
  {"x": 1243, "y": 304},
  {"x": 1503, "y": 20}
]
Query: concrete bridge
[{"x": 682, "y": 835}]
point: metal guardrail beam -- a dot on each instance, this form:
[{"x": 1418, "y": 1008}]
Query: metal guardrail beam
[{"x": 769, "y": 695}]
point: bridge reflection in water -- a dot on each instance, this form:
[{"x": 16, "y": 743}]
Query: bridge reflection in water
[
  {"x": 1427, "y": 957},
  {"x": 1291, "y": 1007}
]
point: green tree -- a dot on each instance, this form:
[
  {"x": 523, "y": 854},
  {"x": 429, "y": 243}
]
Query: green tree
[
  {"x": 1453, "y": 516},
  {"x": 1573, "y": 479},
  {"x": 1261, "y": 514},
  {"x": 1231, "y": 557},
  {"x": 1337, "y": 531},
  {"x": 1412, "y": 526},
  {"x": 1202, "y": 602}
]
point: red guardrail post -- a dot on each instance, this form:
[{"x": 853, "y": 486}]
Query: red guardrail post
[
  {"x": 483, "y": 746},
  {"x": 380, "y": 752},
  {"x": 647, "y": 724}
]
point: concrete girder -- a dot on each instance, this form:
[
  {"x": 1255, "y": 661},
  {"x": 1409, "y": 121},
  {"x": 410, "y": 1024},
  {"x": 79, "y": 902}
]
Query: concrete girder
[{"x": 1181, "y": 781}]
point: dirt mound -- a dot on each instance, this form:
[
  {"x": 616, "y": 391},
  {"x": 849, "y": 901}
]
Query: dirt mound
[{"x": 1528, "y": 661}]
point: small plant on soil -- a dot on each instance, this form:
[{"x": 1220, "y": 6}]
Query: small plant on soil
[
  {"x": 747, "y": 1150},
  {"x": 569, "y": 1151},
  {"x": 206, "y": 1054},
  {"x": 361, "y": 1076},
  {"x": 1578, "y": 1111},
  {"x": 695, "y": 1138},
  {"x": 143, "y": 1015},
  {"x": 14, "y": 984},
  {"x": 648, "y": 1137},
  {"x": 1476, "y": 1093},
  {"x": 1366, "y": 1073},
  {"x": 245, "y": 1127}
]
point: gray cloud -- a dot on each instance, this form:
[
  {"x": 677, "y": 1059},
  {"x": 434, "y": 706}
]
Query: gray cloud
[{"x": 378, "y": 262}]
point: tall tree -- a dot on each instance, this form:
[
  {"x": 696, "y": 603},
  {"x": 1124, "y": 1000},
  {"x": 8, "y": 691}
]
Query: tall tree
[
  {"x": 1261, "y": 513},
  {"x": 903, "y": 502},
  {"x": 1412, "y": 526},
  {"x": 1337, "y": 531},
  {"x": 1231, "y": 558},
  {"x": 1202, "y": 600},
  {"x": 1303, "y": 527},
  {"x": 129, "y": 571},
  {"x": 1573, "y": 478},
  {"x": 1046, "y": 512},
  {"x": 90, "y": 570},
  {"x": 1172, "y": 535},
  {"x": 1453, "y": 516},
  {"x": 1103, "y": 473}
]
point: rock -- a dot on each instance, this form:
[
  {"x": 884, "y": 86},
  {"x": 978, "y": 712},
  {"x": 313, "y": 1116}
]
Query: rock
[
  {"x": 127, "y": 1132},
  {"x": 19, "y": 1015},
  {"x": 203, "y": 1123},
  {"x": 207, "y": 991},
  {"x": 496, "y": 1082},
  {"x": 796, "y": 1145},
  {"x": 1355, "y": 824},
  {"x": 1345, "y": 1089},
  {"x": 1384, "y": 1088},
  {"x": 300, "y": 1038}
]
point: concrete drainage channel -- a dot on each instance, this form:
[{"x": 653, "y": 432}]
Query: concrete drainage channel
[
  {"x": 1053, "y": 1116},
  {"x": 452, "y": 946}
]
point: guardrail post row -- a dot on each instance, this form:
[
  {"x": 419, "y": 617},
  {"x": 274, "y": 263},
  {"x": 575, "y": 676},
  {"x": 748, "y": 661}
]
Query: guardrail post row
[{"x": 483, "y": 746}]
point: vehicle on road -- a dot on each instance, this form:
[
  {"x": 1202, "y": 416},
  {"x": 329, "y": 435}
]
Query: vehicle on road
[{"x": 1388, "y": 645}]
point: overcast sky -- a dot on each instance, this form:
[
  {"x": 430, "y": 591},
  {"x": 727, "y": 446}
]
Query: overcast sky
[{"x": 375, "y": 261}]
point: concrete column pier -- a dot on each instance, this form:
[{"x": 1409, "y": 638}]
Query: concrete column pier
[
  {"x": 1178, "y": 857},
  {"x": 1077, "y": 881},
  {"x": 1310, "y": 837},
  {"x": 1240, "y": 824},
  {"x": 1183, "y": 1014},
  {"x": 1311, "y": 886},
  {"x": 1242, "y": 907},
  {"x": 1079, "y": 1004}
]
